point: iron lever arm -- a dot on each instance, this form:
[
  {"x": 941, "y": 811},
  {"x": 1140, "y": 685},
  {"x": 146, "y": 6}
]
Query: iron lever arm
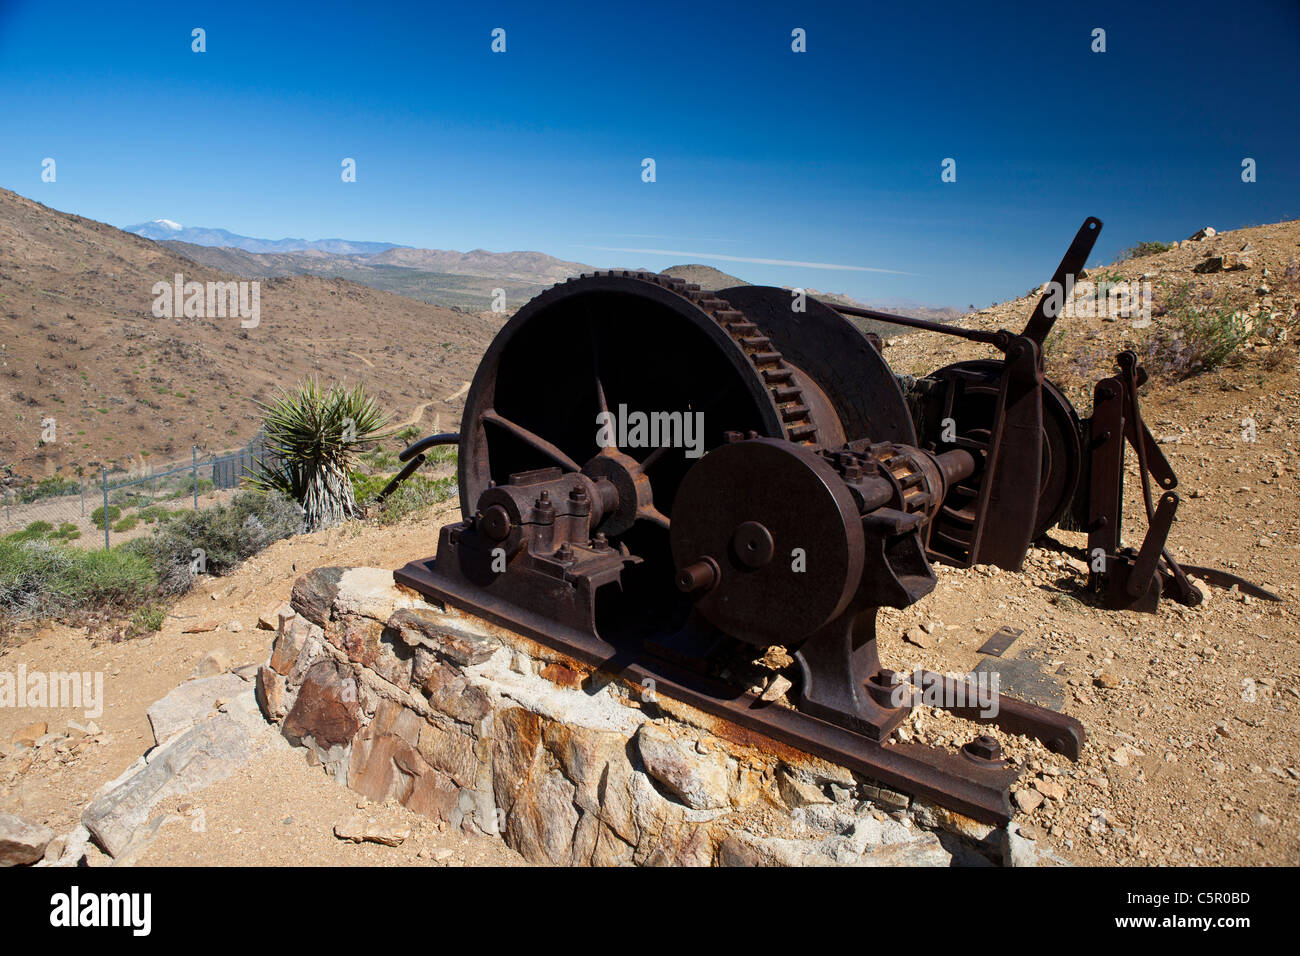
[
  {"x": 1072, "y": 263},
  {"x": 414, "y": 458}
]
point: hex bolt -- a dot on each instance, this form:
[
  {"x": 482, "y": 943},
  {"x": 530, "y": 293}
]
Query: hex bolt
[
  {"x": 984, "y": 747},
  {"x": 888, "y": 678}
]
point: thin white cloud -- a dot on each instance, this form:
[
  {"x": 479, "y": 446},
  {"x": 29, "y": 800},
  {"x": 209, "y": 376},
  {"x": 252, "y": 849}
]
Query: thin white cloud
[
  {"x": 642, "y": 235},
  {"x": 677, "y": 254}
]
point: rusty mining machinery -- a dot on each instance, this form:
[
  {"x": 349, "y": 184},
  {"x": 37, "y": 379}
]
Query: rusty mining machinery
[{"x": 823, "y": 494}]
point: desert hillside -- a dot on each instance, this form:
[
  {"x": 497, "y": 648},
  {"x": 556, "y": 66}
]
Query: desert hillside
[
  {"x": 79, "y": 344},
  {"x": 460, "y": 280}
]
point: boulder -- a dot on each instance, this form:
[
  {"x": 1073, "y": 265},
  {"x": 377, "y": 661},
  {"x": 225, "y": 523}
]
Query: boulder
[
  {"x": 212, "y": 663},
  {"x": 272, "y": 619},
  {"x": 697, "y": 780},
  {"x": 370, "y": 592},
  {"x": 289, "y": 642},
  {"x": 313, "y": 594},
  {"x": 271, "y": 695},
  {"x": 325, "y": 712},
  {"x": 22, "y": 842}
]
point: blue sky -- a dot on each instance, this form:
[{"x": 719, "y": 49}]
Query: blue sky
[{"x": 832, "y": 156}]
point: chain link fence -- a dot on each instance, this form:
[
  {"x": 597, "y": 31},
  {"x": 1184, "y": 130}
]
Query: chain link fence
[{"x": 117, "y": 505}]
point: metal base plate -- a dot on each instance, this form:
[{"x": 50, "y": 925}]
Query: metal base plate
[{"x": 976, "y": 788}]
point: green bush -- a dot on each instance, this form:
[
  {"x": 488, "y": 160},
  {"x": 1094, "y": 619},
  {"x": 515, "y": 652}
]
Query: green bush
[
  {"x": 126, "y": 524},
  {"x": 186, "y": 487},
  {"x": 36, "y": 531},
  {"x": 1144, "y": 249},
  {"x": 42, "y": 579},
  {"x": 413, "y": 494},
  {"x": 48, "y": 488},
  {"x": 380, "y": 460},
  {"x": 67, "y": 532},
  {"x": 225, "y": 535},
  {"x": 1196, "y": 336},
  {"x": 366, "y": 487},
  {"x": 97, "y": 516},
  {"x": 129, "y": 499},
  {"x": 148, "y": 618},
  {"x": 114, "y": 579}
]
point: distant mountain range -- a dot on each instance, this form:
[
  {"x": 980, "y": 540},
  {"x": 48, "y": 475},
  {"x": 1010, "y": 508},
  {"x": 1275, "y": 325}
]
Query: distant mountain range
[
  {"x": 462, "y": 280},
  {"x": 164, "y": 229}
]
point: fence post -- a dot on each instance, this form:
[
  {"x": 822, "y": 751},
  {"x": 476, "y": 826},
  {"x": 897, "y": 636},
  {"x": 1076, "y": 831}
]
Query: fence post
[
  {"x": 82, "y": 483},
  {"x": 194, "y": 450},
  {"x": 105, "y": 472}
]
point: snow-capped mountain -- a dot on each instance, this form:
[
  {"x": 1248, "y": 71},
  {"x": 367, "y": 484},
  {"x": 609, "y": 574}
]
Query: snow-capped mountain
[{"x": 162, "y": 229}]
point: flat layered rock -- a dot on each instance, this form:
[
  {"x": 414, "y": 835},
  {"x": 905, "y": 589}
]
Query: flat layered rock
[{"x": 190, "y": 703}]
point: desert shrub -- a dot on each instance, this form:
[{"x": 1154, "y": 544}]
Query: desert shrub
[
  {"x": 411, "y": 495},
  {"x": 48, "y": 488},
  {"x": 114, "y": 579},
  {"x": 366, "y": 487},
  {"x": 67, "y": 532},
  {"x": 1196, "y": 336},
  {"x": 126, "y": 524},
  {"x": 225, "y": 535},
  {"x": 1144, "y": 249},
  {"x": 379, "y": 460},
  {"x": 440, "y": 453},
  {"x": 129, "y": 499},
  {"x": 97, "y": 516},
  {"x": 42, "y": 579},
  {"x": 186, "y": 487},
  {"x": 36, "y": 531},
  {"x": 148, "y": 618}
]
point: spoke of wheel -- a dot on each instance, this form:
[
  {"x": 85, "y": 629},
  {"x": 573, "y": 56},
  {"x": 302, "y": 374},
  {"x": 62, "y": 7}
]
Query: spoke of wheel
[
  {"x": 595, "y": 366},
  {"x": 532, "y": 440},
  {"x": 653, "y": 515},
  {"x": 654, "y": 456}
]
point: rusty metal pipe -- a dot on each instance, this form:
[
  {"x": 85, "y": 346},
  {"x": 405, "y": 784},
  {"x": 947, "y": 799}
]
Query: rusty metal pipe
[{"x": 999, "y": 338}]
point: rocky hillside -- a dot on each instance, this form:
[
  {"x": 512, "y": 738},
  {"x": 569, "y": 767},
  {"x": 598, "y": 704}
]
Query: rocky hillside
[
  {"x": 1216, "y": 299},
  {"x": 463, "y": 280},
  {"x": 79, "y": 345}
]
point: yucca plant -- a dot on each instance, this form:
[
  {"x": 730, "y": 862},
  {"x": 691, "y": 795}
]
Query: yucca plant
[{"x": 315, "y": 434}]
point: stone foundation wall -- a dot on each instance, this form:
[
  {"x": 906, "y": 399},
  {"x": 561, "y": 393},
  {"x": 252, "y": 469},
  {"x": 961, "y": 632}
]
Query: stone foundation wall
[{"x": 485, "y": 730}]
